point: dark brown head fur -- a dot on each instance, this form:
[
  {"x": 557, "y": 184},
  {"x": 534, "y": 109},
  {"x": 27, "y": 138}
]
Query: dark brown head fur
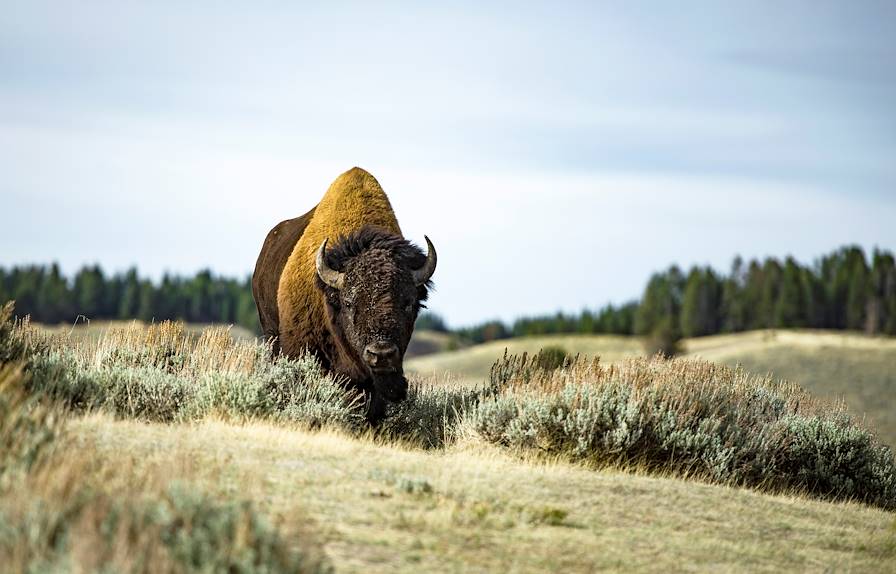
[{"x": 372, "y": 316}]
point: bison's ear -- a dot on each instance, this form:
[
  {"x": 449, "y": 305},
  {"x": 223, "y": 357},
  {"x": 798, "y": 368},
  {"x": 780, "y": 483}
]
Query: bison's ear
[
  {"x": 330, "y": 294},
  {"x": 423, "y": 293}
]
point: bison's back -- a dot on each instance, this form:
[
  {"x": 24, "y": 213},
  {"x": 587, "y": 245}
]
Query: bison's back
[{"x": 278, "y": 246}]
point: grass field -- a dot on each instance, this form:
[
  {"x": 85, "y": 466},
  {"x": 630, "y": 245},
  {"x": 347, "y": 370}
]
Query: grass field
[
  {"x": 385, "y": 508},
  {"x": 858, "y": 369},
  {"x": 278, "y": 473}
]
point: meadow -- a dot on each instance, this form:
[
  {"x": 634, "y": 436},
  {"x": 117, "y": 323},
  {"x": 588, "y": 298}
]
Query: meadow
[{"x": 151, "y": 448}]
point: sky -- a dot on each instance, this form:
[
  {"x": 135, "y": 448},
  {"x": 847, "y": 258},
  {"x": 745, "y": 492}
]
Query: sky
[{"x": 556, "y": 153}]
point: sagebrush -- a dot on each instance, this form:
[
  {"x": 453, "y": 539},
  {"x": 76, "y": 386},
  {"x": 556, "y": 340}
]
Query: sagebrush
[
  {"x": 688, "y": 417},
  {"x": 161, "y": 373}
]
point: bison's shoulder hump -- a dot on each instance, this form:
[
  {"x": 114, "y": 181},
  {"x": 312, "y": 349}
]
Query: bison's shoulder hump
[{"x": 353, "y": 201}]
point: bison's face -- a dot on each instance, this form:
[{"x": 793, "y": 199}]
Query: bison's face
[{"x": 373, "y": 302}]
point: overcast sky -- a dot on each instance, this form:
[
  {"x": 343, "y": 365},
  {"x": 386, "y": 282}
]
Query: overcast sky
[{"x": 556, "y": 153}]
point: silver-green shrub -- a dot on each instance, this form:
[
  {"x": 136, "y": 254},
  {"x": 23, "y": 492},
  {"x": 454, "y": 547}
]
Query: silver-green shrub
[
  {"x": 689, "y": 417},
  {"x": 162, "y": 374}
]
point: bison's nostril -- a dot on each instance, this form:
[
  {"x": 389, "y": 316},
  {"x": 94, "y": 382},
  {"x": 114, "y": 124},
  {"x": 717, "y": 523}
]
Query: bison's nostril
[{"x": 381, "y": 355}]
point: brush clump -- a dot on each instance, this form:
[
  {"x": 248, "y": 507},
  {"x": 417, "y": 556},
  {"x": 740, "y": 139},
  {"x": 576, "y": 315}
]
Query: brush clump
[
  {"x": 162, "y": 373},
  {"x": 686, "y": 417}
]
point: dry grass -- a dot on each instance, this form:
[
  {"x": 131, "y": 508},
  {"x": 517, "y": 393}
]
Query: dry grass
[
  {"x": 170, "y": 345},
  {"x": 62, "y": 508},
  {"x": 84, "y": 513},
  {"x": 27, "y": 427},
  {"x": 472, "y": 508},
  {"x": 93, "y": 330}
]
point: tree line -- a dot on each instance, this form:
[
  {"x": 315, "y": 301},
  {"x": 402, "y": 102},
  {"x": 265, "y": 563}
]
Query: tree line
[
  {"x": 611, "y": 319},
  {"x": 49, "y": 297},
  {"x": 843, "y": 290}
]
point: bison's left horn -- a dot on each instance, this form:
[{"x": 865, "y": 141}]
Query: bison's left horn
[
  {"x": 423, "y": 274},
  {"x": 331, "y": 277}
]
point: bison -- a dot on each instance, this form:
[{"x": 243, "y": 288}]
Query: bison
[{"x": 342, "y": 283}]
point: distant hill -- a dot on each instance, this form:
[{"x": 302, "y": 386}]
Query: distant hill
[
  {"x": 426, "y": 342},
  {"x": 473, "y": 363}
]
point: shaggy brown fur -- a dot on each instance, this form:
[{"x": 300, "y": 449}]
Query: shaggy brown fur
[{"x": 303, "y": 314}]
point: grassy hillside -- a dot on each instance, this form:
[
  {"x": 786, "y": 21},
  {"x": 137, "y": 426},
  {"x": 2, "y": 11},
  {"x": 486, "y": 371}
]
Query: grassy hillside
[
  {"x": 855, "y": 368},
  {"x": 201, "y": 453},
  {"x": 424, "y": 342},
  {"x": 386, "y": 508},
  {"x": 858, "y": 369}
]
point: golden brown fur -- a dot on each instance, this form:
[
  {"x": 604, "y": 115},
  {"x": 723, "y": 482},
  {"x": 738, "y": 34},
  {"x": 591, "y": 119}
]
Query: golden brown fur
[{"x": 353, "y": 201}]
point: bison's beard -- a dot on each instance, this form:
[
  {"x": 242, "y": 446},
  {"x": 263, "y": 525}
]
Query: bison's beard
[
  {"x": 387, "y": 388},
  {"x": 391, "y": 386}
]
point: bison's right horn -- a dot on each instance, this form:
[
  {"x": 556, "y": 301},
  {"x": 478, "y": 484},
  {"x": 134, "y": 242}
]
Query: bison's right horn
[
  {"x": 333, "y": 278},
  {"x": 423, "y": 274}
]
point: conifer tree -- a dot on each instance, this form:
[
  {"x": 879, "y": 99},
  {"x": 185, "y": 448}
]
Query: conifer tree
[
  {"x": 790, "y": 308},
  {"x": 734, "y": 317},
  {"x": 700, "y": 310},
  {"x": 129, "y": 301},
  {"x": 857, "y": 291}
]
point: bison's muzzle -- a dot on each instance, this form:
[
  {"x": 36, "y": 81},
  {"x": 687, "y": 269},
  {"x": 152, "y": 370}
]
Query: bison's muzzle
[{"x": 382, "y": 358}]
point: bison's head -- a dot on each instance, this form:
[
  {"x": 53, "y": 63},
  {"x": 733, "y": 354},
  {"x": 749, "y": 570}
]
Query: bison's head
[{"x": 374, "y": 283}]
